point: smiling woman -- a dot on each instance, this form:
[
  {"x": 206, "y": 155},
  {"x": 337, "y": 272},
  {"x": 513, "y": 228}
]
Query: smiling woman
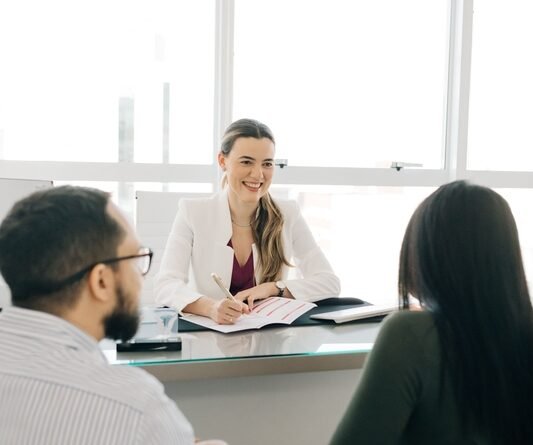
[
  {"x": 244, "y": 235},
  {"x": 247, "y": 159}
]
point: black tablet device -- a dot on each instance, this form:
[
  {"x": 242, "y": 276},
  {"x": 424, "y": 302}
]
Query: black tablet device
[{"x": 150, "y": 344}]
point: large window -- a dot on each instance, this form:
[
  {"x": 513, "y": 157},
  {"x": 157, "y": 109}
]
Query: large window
[
  {"x": 128, "y": 95},
  {"x": 107, "y": 81},
  {"x": 123, "y": 193},
  {"x": 342, "y": 82},
  {"x": 520, "y": 202},
  {"x": 500, "y": 113},
  {"x": 360, "y": 229},
  {"x": 501, "y": 89}
]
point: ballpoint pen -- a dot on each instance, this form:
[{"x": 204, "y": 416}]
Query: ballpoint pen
[{"x": 218, "y": 280}]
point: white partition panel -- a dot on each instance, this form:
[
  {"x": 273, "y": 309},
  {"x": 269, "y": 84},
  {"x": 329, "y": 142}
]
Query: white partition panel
[{"x": 155, "y": 213}]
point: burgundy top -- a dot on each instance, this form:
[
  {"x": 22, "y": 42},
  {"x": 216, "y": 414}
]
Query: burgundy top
[{"x": 242, "y": 278}]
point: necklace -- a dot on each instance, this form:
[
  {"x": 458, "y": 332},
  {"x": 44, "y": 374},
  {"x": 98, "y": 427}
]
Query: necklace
[{"x": 241, "y": 225}]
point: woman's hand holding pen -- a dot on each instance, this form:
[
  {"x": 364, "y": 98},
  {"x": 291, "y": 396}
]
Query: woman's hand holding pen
[{"x": 227, "y": 311}]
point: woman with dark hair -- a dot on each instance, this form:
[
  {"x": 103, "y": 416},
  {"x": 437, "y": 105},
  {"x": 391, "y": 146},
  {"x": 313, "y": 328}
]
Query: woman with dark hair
[
  {"x": 243, "y": 235},
  {"x": 460, "y": 371}
]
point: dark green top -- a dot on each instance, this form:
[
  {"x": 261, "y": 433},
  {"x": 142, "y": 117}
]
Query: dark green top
[{"x": 398, "y": 399}]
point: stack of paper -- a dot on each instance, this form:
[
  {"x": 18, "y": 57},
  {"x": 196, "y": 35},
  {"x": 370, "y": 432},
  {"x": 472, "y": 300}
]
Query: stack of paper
[{"x": 269, "y": 311}]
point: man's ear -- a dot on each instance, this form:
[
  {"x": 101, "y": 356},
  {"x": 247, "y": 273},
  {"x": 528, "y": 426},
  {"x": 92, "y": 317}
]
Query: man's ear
[{"x": 101, "y": 282}]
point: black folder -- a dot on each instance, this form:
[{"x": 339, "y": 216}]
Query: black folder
[{"x": 326, "y": 305}]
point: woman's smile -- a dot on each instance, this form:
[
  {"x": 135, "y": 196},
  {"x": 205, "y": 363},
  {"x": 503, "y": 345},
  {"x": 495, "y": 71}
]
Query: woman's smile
[{"x": 252, "y": 186}]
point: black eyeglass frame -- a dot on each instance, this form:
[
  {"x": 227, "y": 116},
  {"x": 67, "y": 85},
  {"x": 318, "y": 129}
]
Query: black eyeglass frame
[{"x": 79, "y": 275}]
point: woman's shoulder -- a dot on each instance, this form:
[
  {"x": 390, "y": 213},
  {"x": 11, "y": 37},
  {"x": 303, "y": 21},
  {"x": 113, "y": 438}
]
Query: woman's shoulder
[
  {"x": 411, "y": 334},
  {"x": 416, "y": 322}
]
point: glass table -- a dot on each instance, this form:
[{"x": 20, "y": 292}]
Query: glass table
[{"x": 271, "y": 350}]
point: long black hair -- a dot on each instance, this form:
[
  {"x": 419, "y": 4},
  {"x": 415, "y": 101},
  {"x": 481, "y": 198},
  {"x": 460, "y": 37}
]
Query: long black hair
[{"x": 461, "y": 258}]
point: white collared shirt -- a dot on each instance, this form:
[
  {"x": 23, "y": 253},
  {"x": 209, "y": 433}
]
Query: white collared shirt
[{"x": 56, "y": 387}]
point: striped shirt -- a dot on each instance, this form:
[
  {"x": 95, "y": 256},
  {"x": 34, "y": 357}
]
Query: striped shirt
[{"x": 56, "y": 387}]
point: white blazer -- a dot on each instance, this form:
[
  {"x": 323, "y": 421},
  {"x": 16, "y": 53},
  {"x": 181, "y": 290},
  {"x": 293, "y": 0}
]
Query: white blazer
[{"x": 197, "y": 246}]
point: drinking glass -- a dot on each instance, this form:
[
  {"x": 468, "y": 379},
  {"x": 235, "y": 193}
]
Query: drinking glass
[{"x": 166, "y": 319}]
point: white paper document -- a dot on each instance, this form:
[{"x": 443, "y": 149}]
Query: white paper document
[{"x": 269, "y": 311}]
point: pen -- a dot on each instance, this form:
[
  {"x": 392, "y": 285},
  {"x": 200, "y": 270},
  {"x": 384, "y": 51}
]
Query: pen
[{"x": 218, "y": 280}]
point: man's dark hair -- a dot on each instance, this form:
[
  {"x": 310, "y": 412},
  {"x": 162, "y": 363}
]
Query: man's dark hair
[{"x": 51, "y": 235}]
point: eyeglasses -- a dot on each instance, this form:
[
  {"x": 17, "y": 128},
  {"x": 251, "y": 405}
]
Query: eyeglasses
[{"x": 143, "y": 261}]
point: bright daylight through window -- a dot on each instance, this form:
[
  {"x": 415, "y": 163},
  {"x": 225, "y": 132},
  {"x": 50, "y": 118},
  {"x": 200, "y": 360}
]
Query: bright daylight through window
[{"x": 133, "y": 96}]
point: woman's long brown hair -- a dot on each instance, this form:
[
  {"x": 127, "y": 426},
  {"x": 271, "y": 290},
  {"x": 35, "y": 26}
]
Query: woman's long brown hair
[{"x": 267, "y": 225}]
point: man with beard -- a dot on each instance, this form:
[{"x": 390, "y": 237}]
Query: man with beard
[{"x": 74, "y": 267}]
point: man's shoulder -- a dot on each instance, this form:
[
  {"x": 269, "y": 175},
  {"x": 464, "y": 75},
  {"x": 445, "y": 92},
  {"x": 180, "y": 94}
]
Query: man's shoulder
[
  {"x": 124, "y": 385},
  {"x": 135, "y": 397},
  {"x": 86, "y": 376},
  {"x": 142, "y": 392},
  {"x": 128, "y": 385}
]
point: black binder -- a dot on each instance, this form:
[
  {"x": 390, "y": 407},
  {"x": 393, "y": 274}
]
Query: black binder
[{"x": 326, "y": 305}]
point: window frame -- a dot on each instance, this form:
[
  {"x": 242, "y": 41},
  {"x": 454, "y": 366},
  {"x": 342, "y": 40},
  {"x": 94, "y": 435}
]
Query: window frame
[{"x": 455, "y": 132}]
